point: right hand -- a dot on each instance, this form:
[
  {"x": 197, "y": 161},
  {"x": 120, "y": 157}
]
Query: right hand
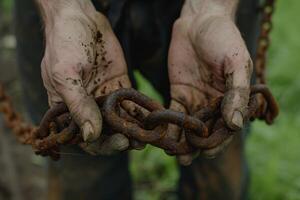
[
  {"x": 208, "y": 59},
  {"x": 84, "y": 60}
]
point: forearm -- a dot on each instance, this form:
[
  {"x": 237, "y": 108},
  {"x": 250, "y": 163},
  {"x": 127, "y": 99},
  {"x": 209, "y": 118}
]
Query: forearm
[
  {"x": 213, "y": 7},
  {"x": 51, "y": 10}
]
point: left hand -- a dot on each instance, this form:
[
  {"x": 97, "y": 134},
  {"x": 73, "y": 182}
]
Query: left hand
[{"x": 208, "y": 59}]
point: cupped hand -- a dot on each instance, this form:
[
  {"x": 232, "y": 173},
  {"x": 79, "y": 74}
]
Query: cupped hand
[
  {"x": 209, "y": 59},
  {"x": 84, "y": 60}
]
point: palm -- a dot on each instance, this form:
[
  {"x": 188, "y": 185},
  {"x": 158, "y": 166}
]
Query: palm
[
  {"x": 207, "y": 59},
  {"x": 198, "y": 57},
  {"x": 83, "y": 60}
]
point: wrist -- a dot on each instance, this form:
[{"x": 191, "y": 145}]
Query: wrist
[{"x": 210, "y": 8}]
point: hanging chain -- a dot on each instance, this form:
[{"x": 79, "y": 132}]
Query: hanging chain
[
  {"x": 27, "y": 133},
  {"x": 264, "y": 41},
  {"x": 12, "y": 119}
]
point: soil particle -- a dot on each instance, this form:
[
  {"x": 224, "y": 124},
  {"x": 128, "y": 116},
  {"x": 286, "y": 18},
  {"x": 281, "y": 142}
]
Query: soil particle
[
  {"x": 99, "y": 37},
  {"x": 103, "y": 91}
]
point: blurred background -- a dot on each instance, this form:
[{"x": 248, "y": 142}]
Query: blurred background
[{"x": 272, "y": 152}]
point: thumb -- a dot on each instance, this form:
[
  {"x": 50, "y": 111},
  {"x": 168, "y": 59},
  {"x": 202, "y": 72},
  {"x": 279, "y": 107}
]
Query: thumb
[
  {"x": 83, "y": 108},
  {"x": 238, "y": 72}
]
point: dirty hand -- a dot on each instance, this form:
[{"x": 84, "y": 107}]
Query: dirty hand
[
  {"x": 82, "y": 60},
  {"x": 208, "y": 59}
]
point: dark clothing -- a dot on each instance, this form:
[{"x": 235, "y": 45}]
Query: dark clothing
[{"x": 143, "y": 29}]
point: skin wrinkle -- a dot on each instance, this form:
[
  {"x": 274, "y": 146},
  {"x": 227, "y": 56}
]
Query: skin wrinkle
[{"x": 100, "y": 90}]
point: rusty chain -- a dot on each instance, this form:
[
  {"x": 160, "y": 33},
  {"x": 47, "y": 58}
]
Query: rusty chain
[
  {"x": 206, "y": 129},
  {"x": 264, "y": 40},
  {"x": 26, "y": 133}
]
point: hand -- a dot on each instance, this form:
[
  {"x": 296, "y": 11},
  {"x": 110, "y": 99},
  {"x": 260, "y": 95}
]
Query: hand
[
  {"x": 84, "y": 60},
  {"x": 208, "y": 59}
]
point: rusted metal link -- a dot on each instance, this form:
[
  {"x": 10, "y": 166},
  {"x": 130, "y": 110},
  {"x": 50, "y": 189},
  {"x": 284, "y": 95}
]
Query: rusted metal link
[
  {"x": 182, "y": 120},
  {"x": 271, "y": 109},
  {"x": 131, "y": 130}
]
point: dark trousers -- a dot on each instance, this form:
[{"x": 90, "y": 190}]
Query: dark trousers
[{"x": 145, "y": 40}]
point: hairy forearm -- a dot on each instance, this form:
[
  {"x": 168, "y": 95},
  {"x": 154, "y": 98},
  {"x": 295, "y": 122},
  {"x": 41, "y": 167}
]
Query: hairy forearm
[
  {"x": 53, "y": 9},
  {"x": 214, "y": 7}
]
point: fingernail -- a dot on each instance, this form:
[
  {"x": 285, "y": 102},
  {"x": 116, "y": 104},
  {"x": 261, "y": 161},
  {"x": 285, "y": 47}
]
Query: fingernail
[
  {"x": 87, "y": 131},
  {"x": 237, "y": 119}
]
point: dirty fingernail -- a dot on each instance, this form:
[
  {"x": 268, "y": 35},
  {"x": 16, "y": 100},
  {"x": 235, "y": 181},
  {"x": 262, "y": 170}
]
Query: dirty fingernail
[
  {"x": 87, "y": 131},
  {"x": 237, "y": 120}
]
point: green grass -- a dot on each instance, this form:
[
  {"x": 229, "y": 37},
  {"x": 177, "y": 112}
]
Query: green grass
[
  {"x": 6, "y": 4},
  {"x": 272, "y": 152},
  {"x": 154, "y": 173}
]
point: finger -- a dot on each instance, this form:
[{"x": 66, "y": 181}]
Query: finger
[
  {"x": 83, "y": 108},
  {"x": 136, "y": 112},
  {"x": 212, "y": 153},
  {"x": 134, "y": 144},
  {"x": 185, "y": 160},
  {"x": 174, "y": 131},
  {"x": 114, "y": 144},
  {"x": 238, "y": 72},
  {"x": 107, "y": 146}
]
